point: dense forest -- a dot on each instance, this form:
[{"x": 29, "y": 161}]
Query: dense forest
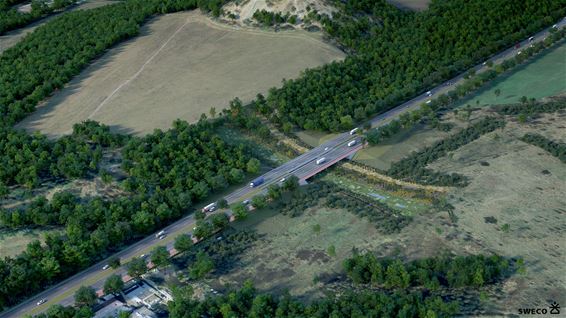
[
  {"x": 432, "y": 273},
  {"x": 397, "y": 54},
  {"x": 413, "y": 167},
  {"x": 168, "y": 172},
  {"x": 29, "y": 159},
  {"x": 557, "y": 149},
  {"x": 11, "y": 18}
]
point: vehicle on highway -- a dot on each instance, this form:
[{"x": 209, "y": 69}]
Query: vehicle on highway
[
  {"x": 325, "y": 148},
  {"x": 162, "y": 236},
  {"x": 41, "y": 301},
  {"x": 160, "y": 233},
  {"x": 282, "y": 180},
  {"x": 246, "y": 202},
  {"x": 531, "y": 38},
  {"x": 105, "y": 267},
  {"x": 555, "y": 26},
  {"x": 428, "y": 101},
  {"x": 351, "y": 143},
  {"x": 143, "y": 256},
  {"x": 429, "y": 93},
  {"x": 320, "y": 161},
  {"x": 353, "y": 131},
  {"x": 209, "y": 208},
  {"x": 256, "y": 182}
]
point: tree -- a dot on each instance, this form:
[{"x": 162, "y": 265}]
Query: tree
[
  {"x": 212, "y": 112},
  {"x": 236, "y": 175},
  {"x": 316, "y": 228},
  {"x": 240, "y": 211},
  {"x": 137, "y": 268},
  {"x": 202, "y": 230},
  {"x": 522, "y": 118},
  {"x": 331, "y": 251},
  {"x": 524, "y": 99},
  {"x": 113, "y": 285},
  {"x": 273, "y": 192},
  {"x": 253, "y": 166},
  {"x": 202, "y": 266},
  {"x": 222, "y": 203},
  {"x": 497, "y": 92},
  {"x": 291, "y": 183},
  {"x": 160, "y": 256},
  {"x": 85, "y": 296},
  {"x": 259, "y": 201},
  {"x": 183, "y": 243},
  {"x": 114, "y": 262},
  {"x": 219, "y": 221}
]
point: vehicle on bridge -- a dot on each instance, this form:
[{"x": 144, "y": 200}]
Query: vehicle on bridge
[
  {"x": 320, "y": 161},
  {"x": 352, "y": 143},
  {"x": 256, "y": 182}
]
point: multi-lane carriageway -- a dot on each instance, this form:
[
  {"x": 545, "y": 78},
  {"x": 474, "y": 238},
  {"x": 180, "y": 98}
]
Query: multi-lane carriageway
[{"x": 303, "y": 167}]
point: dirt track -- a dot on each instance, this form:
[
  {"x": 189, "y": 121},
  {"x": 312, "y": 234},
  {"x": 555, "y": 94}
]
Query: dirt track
[{"x": 181, "y": 65}]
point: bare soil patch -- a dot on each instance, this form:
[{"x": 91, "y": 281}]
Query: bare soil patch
[
  {"x": 417, "y": 5},
  {"x": 181, "y": 65}
]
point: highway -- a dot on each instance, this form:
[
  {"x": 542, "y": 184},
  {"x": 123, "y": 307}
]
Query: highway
[{"x": 302, "y": 166}]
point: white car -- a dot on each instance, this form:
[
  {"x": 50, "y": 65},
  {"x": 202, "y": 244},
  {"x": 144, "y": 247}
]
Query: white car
[
  {"x": 41, "y": 301},
  {"x": 162, "y": 236},
  {"x": 244, "y": 202},
  {"x": 428, "y": 101},
  {"x": 429, "y": 93},
  {"x": 326, "y": 148},
  {"x": 282, "y": 180},
  {"x": 105, "y": 267}
]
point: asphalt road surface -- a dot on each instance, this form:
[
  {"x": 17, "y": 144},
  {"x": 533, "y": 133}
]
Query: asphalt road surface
[{"x": 303, "y": 166}]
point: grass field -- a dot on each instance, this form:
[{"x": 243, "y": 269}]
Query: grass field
[
  {"x": 522, "y": 187},
  {"x": 290, "y": 253},
  {"x": 14, "y": 242},
  {"x": 544, "y": 76},
  {"x": 399, "y": 146},
  {"x": 180, "y": 66}
]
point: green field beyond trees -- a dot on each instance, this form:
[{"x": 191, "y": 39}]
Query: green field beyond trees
[{"x": 542, "y": 77}]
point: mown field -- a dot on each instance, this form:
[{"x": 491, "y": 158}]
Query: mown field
[{"x": 179, "y": 67}]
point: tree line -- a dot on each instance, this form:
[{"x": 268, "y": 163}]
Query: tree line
[
  {"x": 413, "y": 167},
  {"x": 396, "y": 55},
  {"x": 294, "y": 203},
  {"x": 11, "y": 18},
  {"x": 472, "y": 271},
  {"x": 557, "y": 149},
  {"x": 531, "y": 108},
  {"x": 248, "y": 302},
  {"x": 268, "y": 18}
]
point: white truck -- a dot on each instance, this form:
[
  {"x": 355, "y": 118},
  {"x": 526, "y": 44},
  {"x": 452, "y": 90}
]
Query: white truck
[
  {"x": 352, "y": 143},
  {"x": 320, "y": 161},
  {"x": 209, "y": 208}
]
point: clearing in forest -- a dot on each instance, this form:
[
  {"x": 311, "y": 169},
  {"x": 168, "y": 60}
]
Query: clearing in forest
[{"x": 180, "y": 66}]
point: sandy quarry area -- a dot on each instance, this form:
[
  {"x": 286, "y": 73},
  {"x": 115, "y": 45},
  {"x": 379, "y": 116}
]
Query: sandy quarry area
[{"x": 181, "y": 65}]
